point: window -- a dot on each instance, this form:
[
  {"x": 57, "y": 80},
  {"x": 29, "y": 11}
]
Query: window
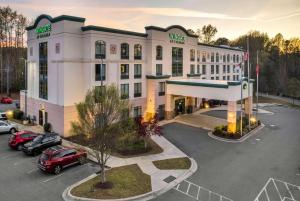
[
  {"x": 31, "y": 51},
  {"x": 212, "y": 69},
  {"x": 217, "y": 78},
  {"x": 124, "y": 71},
  {"x": 198, "y": 55},
  {"x": 162, "y": 88},
  {"x": 158, "y": 69},
  {"x": 137, "y": 70},
  {"x": 161, "y": 112},
  {"x": 159, "y": 52},
  {"x": 228, "y": 57},
  {"x": 228, "y": 77},
  {"x": 124, "y": 51},
  {"x": 234, "y": 58},
  {"x": 57, "y": 48},
  {"x": 224, "y": 77},
  {"x": 137, "y": 52},
  {"x": 233, "y": 77},
  {"x": 124, "y": 91},
  {"x": 137, "y": 89},
  {"x": 192, "y": 55},
  {"x": 237, "y": 77},
  {"x": 100, "y": 49},
  {"x": 98, "y": 72},
  {"x": 43, "y": 70},
  {"x": 237, "y": 58},
  {"x": 224, "y": 68},
  {"x": 203, "y": 57},
  {"x": 203, "y": 69},
  {"x": 217, "y": 69},
  {"x": 198, "y": 69},
  {"x": 217, "y": 57},
  {"x": 192, "y": 69},
  {"x": 233, "y": 69},
  {"x": 228, "y": 69},
  {"x": 224, "y": 58},
  {"x": 177, "y": 61},
  {"x": 212, "y": 78},
  {"x": 212, "y": 57},
  {"x": 137, "y": 111}
]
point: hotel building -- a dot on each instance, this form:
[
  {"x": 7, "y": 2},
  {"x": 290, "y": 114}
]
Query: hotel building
[{"x": 164, "y": 70}]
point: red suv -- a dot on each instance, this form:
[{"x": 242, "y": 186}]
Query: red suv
[
  {"x": 17, "y": 140},
  {"x": 54, "y": 159},
  {"x": 6, "y": 100}
]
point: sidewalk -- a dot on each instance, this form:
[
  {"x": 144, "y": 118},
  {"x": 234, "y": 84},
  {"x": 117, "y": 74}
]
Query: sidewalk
[{"x": 158, "y": 176}]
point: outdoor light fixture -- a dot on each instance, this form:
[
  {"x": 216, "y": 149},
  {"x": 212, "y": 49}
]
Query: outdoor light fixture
[
  {"x": 9, "y": 114},
  {"x": 252, "y": 119},
  {"x": 206, "y": 105}
]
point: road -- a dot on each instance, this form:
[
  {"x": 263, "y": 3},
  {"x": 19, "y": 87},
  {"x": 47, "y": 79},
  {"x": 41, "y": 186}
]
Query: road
[{"x": 239, "y": 171}]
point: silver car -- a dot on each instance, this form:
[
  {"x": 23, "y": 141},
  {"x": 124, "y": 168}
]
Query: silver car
[{"x": 7, "y": 127}]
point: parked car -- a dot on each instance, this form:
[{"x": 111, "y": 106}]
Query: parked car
[
  {"x": 56, "y": 158},
  {"x": 7, "y": 127},
  {"x": 3, "y": 116},
  {"x": 6, "y": 100},
  {"x": 41, "y": 142},
  {"x": 17, "y": 140}
]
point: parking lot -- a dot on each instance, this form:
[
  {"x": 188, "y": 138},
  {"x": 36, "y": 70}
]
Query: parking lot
[
  {"x": 21, "y": 180},
  {"x": 240, "y": 171}
]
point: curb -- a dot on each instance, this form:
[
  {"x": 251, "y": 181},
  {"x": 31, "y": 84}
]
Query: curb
[
  {"x": 67, "y": 196},
  {"x": 242, "y": 139}
]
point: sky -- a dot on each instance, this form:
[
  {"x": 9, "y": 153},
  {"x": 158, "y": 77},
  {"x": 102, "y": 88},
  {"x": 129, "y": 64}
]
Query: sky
[{"x": 231, "y": 17}]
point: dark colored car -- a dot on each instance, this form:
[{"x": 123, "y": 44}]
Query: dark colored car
[
  {"x": 3, "y": 116},
  {"x": 56, "y": 158},
  {"x": 6, "y": 100},
  {"x": 41, "y": 142},
  {"x": 17, "y": 140}
]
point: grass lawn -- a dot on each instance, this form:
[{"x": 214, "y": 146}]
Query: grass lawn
[
  {"x": 173, "y": 163},
  {"x": 127, "y": 181}
]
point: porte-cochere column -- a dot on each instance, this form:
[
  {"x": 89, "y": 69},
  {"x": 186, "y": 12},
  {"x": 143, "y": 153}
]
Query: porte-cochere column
[
  {"x": 231, "y": 116},
  {"x": 169, "y": 106}
]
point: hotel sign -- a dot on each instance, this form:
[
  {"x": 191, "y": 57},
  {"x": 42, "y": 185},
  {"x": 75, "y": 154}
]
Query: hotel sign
[
  {"x": 43, "y": 31},
  {"x": 176, "y": 38}
]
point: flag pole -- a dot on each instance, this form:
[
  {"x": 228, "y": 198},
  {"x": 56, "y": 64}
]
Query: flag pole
[
  {"x": 241, "y": 113},
  {"x": 248, "y": 80},
  {"x": 257, "y": 72}
]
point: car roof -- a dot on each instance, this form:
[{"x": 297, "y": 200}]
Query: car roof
[
  {"x": 24, "y": 132},
  {"x": 57, "y": 149}
]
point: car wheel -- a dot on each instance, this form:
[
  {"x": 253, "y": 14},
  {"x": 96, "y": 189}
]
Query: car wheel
[
  {"x": 82, "y": 160},
  {"x": 57, "y": 169},
  {"x": 12, "y": 131},
  {"x": 19, "y": 147}
]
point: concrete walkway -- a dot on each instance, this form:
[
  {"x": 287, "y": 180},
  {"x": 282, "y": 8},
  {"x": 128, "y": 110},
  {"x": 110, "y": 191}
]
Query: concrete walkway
[{"x": 145, "y": 162}]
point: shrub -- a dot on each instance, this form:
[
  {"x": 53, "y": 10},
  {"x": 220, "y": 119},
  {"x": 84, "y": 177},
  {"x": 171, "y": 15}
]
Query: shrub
[
  {"x": 18, "y": 114},
  {"x": 218, "y": 130},
  {"x": 47, "y": 127},
  {"x": 130, "y": 143}
]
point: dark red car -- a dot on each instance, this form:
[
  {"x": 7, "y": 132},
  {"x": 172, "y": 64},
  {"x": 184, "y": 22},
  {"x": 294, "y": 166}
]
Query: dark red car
[
  {"x": 56, "y": 158},
  {"x": 6, "y": 100},
  {"x": 17, "y": 140}
]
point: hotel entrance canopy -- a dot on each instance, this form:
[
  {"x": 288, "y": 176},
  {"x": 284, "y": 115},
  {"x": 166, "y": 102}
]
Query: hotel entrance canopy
[{"x": 209, "y": 89}]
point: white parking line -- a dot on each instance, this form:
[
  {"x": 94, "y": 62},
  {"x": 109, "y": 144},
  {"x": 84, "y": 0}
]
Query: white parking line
[
  {"x": 221, "y": 197},
  {"x": 33, "y": 170},
  {"x": 52, "y": 178}
]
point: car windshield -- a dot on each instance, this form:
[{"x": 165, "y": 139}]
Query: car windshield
[
  {"x": 45, "y": 157},
  {"x": 38, "y": 139}
]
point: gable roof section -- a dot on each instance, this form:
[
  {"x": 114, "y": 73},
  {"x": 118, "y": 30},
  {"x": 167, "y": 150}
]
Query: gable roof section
[
  {"x": 111, "y": 30},
  {"x": 56, "y": 19},
  {"x": 171, "y": 27}
]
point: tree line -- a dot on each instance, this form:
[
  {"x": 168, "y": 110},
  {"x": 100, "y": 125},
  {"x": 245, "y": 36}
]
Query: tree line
[
  {"x": 12, "y": 50},
  {"x": 278, "y": 58}
]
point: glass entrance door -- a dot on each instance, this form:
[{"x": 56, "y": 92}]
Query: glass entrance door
[{"x": 179, "y": 106}]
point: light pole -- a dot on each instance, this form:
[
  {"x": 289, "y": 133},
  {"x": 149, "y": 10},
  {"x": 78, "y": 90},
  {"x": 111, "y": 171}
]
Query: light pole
[{"x": 25, "y": 98}]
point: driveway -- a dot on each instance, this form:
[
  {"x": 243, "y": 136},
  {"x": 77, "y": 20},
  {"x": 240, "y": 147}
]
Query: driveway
[
  {"x": 240, "y": 171},
  {"x": 21, "y": 180}
]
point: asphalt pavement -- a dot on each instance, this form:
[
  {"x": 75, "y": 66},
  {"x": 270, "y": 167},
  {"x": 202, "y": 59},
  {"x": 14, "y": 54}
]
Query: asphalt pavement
[{"x": 240, "y": 171}]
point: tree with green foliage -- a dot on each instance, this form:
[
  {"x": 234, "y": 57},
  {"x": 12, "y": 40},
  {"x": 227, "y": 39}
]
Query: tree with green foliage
[
  {"x": 208, "y": 32},
  {"x": 99, "y": 120},
  {"x": 222, "y": 41},
  {"x": 293, "y": 88}
]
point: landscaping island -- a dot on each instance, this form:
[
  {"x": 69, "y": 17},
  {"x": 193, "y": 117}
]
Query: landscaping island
[
  {"x": 173, "y": 163},
  {"x": 127, "y": 181}
]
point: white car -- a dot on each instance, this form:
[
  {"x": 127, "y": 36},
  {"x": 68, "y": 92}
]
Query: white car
[
  {"x": 3, "y": 116},
  {"x": 7, "y": 127}
]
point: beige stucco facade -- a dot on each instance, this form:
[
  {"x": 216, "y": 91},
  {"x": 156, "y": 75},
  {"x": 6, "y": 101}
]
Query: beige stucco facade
[{"x": 71, "y": 68}]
